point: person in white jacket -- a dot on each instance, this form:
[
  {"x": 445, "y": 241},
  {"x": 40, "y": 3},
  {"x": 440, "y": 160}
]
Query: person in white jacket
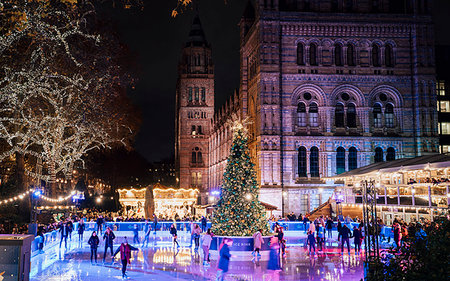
[
  {"x": 257, "y": 243},
  {"x": 206, "y": 244}
]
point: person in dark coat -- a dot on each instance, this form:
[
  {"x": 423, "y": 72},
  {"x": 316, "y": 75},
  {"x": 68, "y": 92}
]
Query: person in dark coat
[
  {"x": 100, "y": 224},
  {"x": 93, "y": 242},
  {"x": 64, "y": 231},
  {"x": 173, "y": 231},
  {"x": 224, "y": 258},
  {"x": 329, "y": 225},
  {"x": 204, "y": 222},
  {"x": 109, "y": 241},
  {"x": 69, "y": 229},
  {"x": 358, "y": 239},
  {"x": 345, "y": 234},
  {"x": 339, "y": 229},
  {"x": 125, "y": 255},
  {"x": 81, "y": 228},
  {"x": 155, "y": 222},
  {"x": 305, "y": 222}
]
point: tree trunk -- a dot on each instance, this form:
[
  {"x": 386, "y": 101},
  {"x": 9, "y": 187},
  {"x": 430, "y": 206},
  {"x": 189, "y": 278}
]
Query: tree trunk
[
  {"x": 149, "y": 203},
  {"x": 20, "y": 172},
  {"x": 52, "y": 181}
]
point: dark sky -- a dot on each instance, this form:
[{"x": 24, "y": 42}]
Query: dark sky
[{"x": 156, "y": 39}]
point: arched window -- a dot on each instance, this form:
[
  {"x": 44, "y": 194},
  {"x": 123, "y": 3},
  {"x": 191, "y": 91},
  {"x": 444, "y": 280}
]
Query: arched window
[
  {"x": 203, "y": 94},
  {"x": 196, "y": 94},
  {"x": 301, "y": 114},
  {"x": 302, "y": 161},
  {"x": 377, "y": 119},
  {"x": 340, "y": 160},
  {"x": 351, "y": 55},
  {"x": 313, "y": 115},
  {"x": 375, "y": 55},
  {"x": 390, "y": 154},
  {"x": 314, "y": 162},
  {"x": 389, "y": 115},
  {"x": 300, "y": 54},
  {"x": 313, "y": 54},
  {"x": 190, "y": 94},
  {"x": 351, "y": 116},
  {"x": 352, "y": 158},
  {"x": 339, "y": 115},
  {"x": 378, "y": 155},
  {"x": 389, "y": 55},
  {"x": 194, "y": 157},
  {"x": 197, "y": 157},
  {"x": 338, "y": 54}
]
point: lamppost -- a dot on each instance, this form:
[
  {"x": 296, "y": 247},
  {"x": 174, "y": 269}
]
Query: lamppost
[{"x": 371, "y": 245}]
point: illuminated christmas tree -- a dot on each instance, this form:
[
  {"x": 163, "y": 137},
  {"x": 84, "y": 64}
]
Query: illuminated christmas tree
[{"x": 239, "y": 212}]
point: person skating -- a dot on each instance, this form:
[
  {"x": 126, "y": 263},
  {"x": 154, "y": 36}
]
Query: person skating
[
  {"x": 320, "y": 237},
  {"x": 357, "y": 239},
  {"x": 206, "y": 244},
  {"x": 311, "y": 241},
  {"x": 81, "y": 228},
  {"x": 64, "y": 231},
  {"x": 109, "y": 241},
  {"x": 204, "y": 221},
  {"x": 339, "y": 229},
  {"x": 329, "y": 228},
  {"x": 196, "y": 234},
  {"x": 146, "y": 236},
  {"x": 345, "y": 235},
  {"x": 257, "y": 243},
  {"x": 100, "y": 224},
  {"x": 224, "y": 258},
  {"x": 93, "y": 242},
  {"x": 155, "y": 223},
  {"x": 173, "y": 231},
  {"x": 136, "y": 234},
  {"x": 274, "y": 258},
  {"x": 125, "y": 255}
]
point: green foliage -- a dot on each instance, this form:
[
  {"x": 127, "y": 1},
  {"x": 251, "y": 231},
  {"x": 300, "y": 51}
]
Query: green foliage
[
  {"x": 239, "y": 212},
  {"x": 421, "y": 259}
]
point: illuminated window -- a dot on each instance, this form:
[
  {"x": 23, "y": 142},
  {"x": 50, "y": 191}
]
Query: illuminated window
[
  {"x": 313, "y": 115},
  {"x": 389, "y": 115},
  {"x": 445, "y": 148},
  {"x": 301, "y": 114},
  {"x": 377, "y": 117},
  {"x": 441, "y": 88},
  {"x": 445, "y": 106},
  {"x": 340, "y": 160},
  {"x": 445, "y": 128}
]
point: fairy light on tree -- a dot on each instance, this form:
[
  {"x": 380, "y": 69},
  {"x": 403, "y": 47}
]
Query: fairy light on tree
[
  {"x": 239, "y": 212},
  {"x": 62, "y": 86}
]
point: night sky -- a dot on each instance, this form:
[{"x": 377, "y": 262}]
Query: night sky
[{"x": 155, "y": 40}]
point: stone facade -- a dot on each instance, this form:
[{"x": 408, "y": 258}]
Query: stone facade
[{"x": 329, "y": 86}]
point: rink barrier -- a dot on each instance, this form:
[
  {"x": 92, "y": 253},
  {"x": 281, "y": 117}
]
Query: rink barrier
[{"x": 52, "y": 238}]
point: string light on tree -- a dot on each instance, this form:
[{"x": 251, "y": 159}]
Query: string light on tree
[{"x": 239, "y": 212}]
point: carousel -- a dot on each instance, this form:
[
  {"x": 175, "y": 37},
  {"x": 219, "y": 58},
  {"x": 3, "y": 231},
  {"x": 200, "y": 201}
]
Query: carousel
[{"x": 168, "y": 202}]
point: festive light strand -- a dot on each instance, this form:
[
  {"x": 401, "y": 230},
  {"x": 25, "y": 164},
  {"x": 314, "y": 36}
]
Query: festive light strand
[{"x": 48, "y": 199}]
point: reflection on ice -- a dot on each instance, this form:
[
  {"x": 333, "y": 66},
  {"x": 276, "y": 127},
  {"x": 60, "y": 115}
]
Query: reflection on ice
[{"x": 162, "y": 262}]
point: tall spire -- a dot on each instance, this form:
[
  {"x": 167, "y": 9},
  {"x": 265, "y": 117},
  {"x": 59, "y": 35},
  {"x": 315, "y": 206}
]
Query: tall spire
[{"x": 196, "y": 35}]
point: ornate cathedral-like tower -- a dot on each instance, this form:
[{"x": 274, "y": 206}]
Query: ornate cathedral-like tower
[{"x": 194, "y": 111}]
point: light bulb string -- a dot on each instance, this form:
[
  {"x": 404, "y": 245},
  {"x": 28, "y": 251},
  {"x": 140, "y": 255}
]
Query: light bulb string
[{"x": 23, "y": 195}]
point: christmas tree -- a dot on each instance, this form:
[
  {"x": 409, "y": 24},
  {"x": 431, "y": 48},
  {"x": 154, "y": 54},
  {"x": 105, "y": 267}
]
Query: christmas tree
[{"x": 239, "y": 212}]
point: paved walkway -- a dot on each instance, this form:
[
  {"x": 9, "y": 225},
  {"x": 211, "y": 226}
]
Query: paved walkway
[{"x": 159, "y": 261}]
